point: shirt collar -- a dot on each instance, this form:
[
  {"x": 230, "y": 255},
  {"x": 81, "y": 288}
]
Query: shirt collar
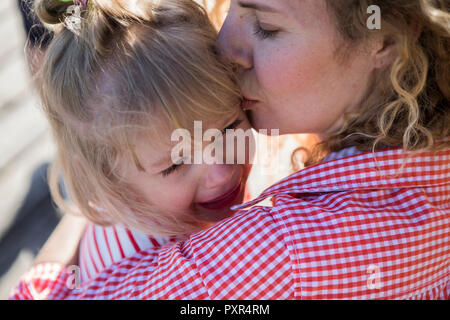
[
  {"x": 341, "y": 154},
  {"x": 383, "y": 169}
]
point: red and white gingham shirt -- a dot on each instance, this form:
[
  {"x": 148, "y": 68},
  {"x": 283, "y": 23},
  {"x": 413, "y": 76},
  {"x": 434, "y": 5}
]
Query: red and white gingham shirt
[
  {"x": 359, "y": 227},
  {"x": 101, "y": 247}
]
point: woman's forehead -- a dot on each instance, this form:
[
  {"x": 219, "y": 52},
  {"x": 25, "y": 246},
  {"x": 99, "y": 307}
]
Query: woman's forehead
[
  {"x": 280, "y": 6},
  {"x": 298, "y": 10}
]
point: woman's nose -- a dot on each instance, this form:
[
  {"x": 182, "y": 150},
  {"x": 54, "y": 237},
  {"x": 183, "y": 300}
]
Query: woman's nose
[
  {"x": 218, "y": 175},
  {"x": 233, "y": 43}
]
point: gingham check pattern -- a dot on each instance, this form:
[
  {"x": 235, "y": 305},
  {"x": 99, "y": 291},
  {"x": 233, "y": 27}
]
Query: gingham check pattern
[{"x": 351, "y": 228}]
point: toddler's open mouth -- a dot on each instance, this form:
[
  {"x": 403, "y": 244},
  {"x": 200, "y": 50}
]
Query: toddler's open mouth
[{"x": 225, "y": 200}]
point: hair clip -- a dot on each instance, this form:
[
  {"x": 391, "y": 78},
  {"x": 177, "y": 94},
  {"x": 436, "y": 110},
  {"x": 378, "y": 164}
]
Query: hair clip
[
  {"x": 82, "y": 3},
  {"x": 73, "y": 20}
]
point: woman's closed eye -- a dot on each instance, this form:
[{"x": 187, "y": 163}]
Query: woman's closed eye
[{"x": 264, "y": 33}]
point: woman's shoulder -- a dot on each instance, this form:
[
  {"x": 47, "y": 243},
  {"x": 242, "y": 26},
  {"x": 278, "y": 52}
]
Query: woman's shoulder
[{"x": 351, "y": 170}]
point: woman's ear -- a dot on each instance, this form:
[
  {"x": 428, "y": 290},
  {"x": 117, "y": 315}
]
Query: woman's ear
[
  {"x": 384, "y": 51},
  {"x": 386, "y": 46}
]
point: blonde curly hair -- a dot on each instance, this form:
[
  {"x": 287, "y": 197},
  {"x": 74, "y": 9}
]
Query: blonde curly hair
[{"x": 408, "y": 103}]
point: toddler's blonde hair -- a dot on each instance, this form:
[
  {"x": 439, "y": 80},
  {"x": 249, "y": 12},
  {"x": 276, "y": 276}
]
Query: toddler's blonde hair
[{"x": 135, "y": 65}]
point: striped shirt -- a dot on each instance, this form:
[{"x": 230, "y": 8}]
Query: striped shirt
[
  {"x": 358, "y": 227},
  {"x": 101, "y": 247}
]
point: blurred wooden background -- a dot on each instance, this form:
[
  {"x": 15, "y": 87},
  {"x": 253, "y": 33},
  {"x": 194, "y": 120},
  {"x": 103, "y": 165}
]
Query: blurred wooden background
[{"x": 26, "y": 214}]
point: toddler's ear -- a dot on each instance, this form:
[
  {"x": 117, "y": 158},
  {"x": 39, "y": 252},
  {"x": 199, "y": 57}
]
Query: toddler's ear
[{"x": 96, "y": 207}]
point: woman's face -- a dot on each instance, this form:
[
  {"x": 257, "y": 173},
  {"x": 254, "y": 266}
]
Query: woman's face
[
  {"x": 290, "y": 76},
  {"x": 202, "y": 191}
]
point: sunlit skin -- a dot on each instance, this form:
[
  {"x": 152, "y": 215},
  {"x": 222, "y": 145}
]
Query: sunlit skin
[
  {"x": 180, "y": 190},
  {"x": 289, "y": 70},
  {"x": 292, "y": 80}
]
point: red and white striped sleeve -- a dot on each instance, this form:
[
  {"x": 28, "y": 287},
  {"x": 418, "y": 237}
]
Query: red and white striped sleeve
[{"x": 101, "y": 247}]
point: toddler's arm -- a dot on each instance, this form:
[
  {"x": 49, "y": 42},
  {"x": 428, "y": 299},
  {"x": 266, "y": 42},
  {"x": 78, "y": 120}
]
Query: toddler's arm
[
  {"x": 103, "y": 246},
  {"x": 63, "y": 244}
]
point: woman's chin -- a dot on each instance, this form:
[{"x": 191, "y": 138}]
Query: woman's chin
[{"x": 263, "y": 124}]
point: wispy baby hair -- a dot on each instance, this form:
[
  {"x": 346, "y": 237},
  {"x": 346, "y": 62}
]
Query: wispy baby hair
[{"x": 132, "y": 65}]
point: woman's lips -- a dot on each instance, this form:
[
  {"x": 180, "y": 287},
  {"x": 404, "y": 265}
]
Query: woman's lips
[
  {"x": 225, "y": 200},
  {"x": 248, "y": 104}
]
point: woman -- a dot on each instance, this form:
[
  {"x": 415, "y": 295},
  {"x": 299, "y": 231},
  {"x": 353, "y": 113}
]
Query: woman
[{"x": 366, "y": 222}]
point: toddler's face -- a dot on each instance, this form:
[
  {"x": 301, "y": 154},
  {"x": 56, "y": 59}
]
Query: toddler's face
[{"x": 205, "y": 191}]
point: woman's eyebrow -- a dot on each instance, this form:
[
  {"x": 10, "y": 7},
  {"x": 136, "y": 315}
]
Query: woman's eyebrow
[{"x": 255, "y": 6}]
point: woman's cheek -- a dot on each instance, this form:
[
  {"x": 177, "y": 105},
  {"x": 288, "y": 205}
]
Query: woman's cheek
[
  {"x": 277, "y": 61},
  {"x": 279, "y": 78},
  {"x": 270, "y": 75}
]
